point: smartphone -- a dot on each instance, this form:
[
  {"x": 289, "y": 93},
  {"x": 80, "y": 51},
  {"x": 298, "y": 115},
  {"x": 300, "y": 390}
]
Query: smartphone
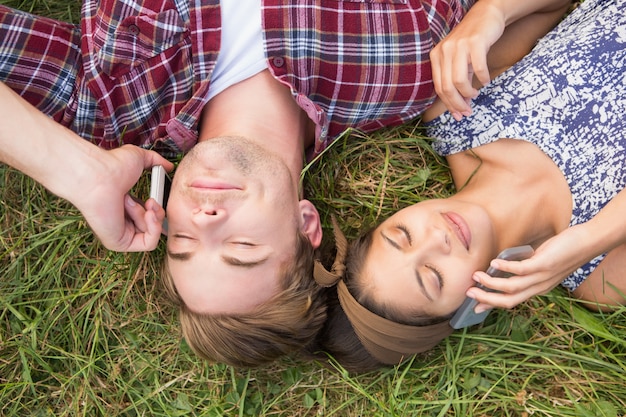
[
  {"x": 465, "y": 315},
  {"x": 160, "y": 184}
]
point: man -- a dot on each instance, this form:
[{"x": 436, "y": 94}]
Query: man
[{"x": 245, "y": 101}]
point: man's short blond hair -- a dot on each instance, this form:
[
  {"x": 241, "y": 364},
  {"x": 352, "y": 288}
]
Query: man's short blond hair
[{"x": 283, "y": 325}]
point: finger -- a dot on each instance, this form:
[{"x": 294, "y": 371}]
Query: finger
[
  {"x": 513, "y": 267},
  {"x": 153, "y": 234},
  {"x": 153, "y": 205},
  {"x": 510, "y": 285},
  {"x": 481, "y": 308},
  {"x": 435, "y": 63},
  {"x": 456, "y": 91},
  {"x": 480, "y": 67},
  {"x": 462, "y": 74},
  {"x": 135, "y": 212},
  {"x": 442, "y": 80},
  {"x": 495, "y": 299},
  {"x": 151, "y": 158},
  {"x": 149, "y": 239},
  {"x": 437, "y": 73}
]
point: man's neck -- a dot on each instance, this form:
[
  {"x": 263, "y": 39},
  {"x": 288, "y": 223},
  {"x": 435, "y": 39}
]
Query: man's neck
[{"x": 261, "y": 109}]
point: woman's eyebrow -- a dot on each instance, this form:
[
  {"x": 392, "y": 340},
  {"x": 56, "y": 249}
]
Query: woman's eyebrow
[
  {"x": 420, "y": 282},
  {"x": 418, "y": 277},
  {"x": 390, "y": 241}
]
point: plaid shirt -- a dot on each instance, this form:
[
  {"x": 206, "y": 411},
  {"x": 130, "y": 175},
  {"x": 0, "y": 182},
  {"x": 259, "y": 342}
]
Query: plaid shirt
[{"x": 138, "y": 71}]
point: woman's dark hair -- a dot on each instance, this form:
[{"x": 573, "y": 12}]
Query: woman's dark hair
[{"x": 337, "y": 337}]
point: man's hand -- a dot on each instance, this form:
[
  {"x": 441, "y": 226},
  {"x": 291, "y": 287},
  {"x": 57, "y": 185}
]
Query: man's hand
[
  {"x": 120, "y": 222},
  {"x": 96, "y": 181}
]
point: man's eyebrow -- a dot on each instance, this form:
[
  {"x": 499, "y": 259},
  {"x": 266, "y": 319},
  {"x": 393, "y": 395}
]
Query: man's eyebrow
[
  {"x": 245, "y": 264},
  {"x": 185, "y": 256},
  {"x": 179, "y": 256}
]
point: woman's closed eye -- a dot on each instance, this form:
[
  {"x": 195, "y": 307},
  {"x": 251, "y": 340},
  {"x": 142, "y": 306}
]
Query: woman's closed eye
[
  {"x": 397, "y": 236},
  {"x": 405, "y": 231},
  {"x": 438, "y": 275}
]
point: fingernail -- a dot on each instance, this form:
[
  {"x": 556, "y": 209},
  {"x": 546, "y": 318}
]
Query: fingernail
[
  {"x": 457, "y": 116},
  {"x": 480, "y": 309},
  {"x": 130, "y": 201},
  {"x": 476, "y": 277}
]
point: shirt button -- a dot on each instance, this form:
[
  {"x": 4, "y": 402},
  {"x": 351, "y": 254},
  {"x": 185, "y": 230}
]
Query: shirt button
[
  {"x": 278, "y": 61},
  {"x": 133, "y": 29}
]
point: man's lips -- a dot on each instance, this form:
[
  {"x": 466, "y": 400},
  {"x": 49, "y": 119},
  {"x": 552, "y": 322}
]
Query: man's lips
[
  {"x": 212, "y": 184},
  {"x": 460, "y": 228}
]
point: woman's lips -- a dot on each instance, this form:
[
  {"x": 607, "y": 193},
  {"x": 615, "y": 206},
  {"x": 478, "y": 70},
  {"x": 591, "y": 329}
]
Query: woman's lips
[{"x": 460, "y": 228}]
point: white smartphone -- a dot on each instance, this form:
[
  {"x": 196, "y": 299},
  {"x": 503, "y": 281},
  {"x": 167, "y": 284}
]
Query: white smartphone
[
  {"x": 160, "y": 184},
  {"x": 465, "y": 315}
]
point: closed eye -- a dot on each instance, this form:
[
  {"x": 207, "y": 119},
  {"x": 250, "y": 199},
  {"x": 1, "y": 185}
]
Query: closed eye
[
  {"x": 437, "y": 274},
  {"x": 179, "y": 236},
  {"x": 406, "y": 233}
]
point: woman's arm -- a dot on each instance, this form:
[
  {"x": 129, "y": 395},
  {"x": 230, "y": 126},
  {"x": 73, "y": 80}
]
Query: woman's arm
[
  {"x": 94, "y": 180},
  {"x": 559, "y": 256},
  {"x": 465, "y": 54}
]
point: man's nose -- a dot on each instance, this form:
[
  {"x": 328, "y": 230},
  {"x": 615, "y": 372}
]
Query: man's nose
[{"x": 208, "y": 215}]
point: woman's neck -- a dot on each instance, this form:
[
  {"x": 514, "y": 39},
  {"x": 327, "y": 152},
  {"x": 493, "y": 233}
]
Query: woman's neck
[{"x": 523, "y": 191}]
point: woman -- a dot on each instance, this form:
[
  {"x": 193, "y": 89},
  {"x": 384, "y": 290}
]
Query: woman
[{"x": 542, "y": 161}]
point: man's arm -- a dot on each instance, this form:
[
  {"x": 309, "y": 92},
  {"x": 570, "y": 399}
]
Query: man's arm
[{"x": 94, "y": 180}]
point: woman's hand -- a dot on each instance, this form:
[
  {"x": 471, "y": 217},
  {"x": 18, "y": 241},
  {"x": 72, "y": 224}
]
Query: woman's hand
[
  {"x": 463, "y": 54},
  {"x": 492, "y": 36},
  {"x": 551, "y": 263}
]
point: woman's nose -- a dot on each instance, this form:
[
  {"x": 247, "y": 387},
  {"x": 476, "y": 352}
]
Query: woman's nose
[{"x": 439, "y": 239}]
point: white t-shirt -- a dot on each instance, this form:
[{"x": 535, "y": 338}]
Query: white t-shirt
[{"x": 241, "y": 53}]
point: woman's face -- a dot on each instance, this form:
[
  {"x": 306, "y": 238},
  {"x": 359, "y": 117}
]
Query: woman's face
[{"x": 422, "y": 258}]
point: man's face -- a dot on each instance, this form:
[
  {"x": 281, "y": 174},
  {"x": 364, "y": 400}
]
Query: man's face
[{"x": 232, "y": 221}]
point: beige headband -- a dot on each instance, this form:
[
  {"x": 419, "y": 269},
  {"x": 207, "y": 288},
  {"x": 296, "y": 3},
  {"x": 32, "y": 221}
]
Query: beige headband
[{"x": 387, "y": 341}]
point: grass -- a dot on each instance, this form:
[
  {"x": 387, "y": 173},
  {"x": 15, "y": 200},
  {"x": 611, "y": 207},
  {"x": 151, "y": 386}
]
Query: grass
[{"x": 84, "y": 331}]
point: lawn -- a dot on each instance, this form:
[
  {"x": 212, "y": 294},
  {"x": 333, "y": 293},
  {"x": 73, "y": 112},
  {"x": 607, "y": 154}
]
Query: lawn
[{"x": 85, "y": 331}]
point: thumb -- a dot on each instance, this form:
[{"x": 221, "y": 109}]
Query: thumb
[{"x": 152, "y": 158}]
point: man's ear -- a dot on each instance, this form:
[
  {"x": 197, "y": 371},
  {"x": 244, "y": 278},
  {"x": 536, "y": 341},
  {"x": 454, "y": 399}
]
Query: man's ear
[{"x": 310, "y": 223}]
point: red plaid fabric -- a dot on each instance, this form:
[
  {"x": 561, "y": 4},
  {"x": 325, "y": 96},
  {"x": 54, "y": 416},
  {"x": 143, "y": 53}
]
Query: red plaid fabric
[
  {"x": 357, "y": 64},
  {"x": 138, "y": 71}
]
